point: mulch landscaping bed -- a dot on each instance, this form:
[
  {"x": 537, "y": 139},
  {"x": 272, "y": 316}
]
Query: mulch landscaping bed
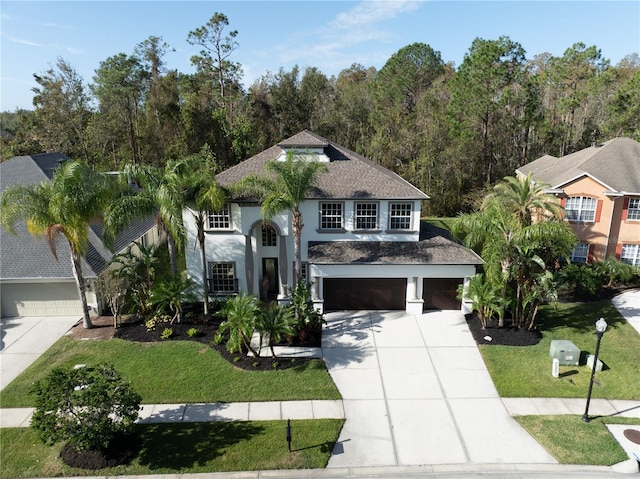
[
  {"x": 506, "y": 335},
  {"x": 122, "y": 450},
  {"x": 134, "y": 329}
]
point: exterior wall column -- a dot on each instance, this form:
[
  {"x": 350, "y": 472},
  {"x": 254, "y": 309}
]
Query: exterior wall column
[
  {"x": 414, "y": 303},
  {"x": 248, "y": 261},
  {"x": 283, "y": 266},
  {"x": 316, "y": 294}
]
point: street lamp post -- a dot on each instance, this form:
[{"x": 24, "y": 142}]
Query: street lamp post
[{"x": 601, "y": 327}]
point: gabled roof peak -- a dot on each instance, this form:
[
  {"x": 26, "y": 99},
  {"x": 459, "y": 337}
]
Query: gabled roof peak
[{"x": 304, "y": 139}]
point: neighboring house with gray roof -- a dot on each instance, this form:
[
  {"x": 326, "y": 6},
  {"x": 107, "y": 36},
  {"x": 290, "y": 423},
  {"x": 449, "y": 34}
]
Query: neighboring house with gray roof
[
  {"x": 363, "y": 244},
  {"x": 32, "y": 282},
  {"x": 599, "y": 188}
]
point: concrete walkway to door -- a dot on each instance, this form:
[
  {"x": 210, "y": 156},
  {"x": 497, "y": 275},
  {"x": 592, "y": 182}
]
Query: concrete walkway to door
[{"x": 416, "y": 391}]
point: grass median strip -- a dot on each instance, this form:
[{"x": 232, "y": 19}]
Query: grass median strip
[
  {"x": 572, "y": 441},
  {"x": 177, "y": 372},
  {"x": 186, "y": 448}
]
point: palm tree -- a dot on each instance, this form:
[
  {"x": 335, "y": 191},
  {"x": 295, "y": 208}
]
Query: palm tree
[
  {"x": 64, "y": 206},
  {"x": 202, "y": 194},
  {"x": 525, "y": 198},
  {"x": 283, "y": 187},
  {"x": 240, "y": 318},
  {"x": 160, "y": 193},
  {"x": 512, "y": 245},
  {"x": 275, "y": 323}
]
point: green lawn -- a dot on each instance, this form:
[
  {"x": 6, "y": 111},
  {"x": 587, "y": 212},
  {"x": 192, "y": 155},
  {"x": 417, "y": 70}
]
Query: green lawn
[
  {"x": 186, "y": 448},
  {"x": 572, "y": 441},
  {"x": 177, "y": 372},
  {"x": 526, "y": 371}
]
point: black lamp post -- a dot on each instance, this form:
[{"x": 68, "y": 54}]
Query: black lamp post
[{"x": 601, "y": 327}]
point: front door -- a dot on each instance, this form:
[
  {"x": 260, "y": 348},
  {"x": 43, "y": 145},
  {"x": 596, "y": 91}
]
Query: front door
[{"x": 269, "y": 281}]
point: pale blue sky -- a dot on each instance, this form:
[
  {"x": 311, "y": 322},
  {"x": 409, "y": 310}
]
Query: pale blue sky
[{"x": 329, "y": 34}]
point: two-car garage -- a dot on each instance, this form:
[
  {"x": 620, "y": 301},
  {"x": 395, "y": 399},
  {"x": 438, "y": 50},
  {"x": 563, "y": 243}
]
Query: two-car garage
[{"x": 388, "y": 293}]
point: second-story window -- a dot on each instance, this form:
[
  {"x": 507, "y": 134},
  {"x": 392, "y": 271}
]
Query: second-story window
[
  {"x": 633, "y": 211},
  {"x": 331, "y": 216},
  {"x": 580, "y": 208},
  {"x": 268, "y": 235},
  {"x": 400, "y": 216},
  {"x": 219, "y": 220},
  {"x": 366, "y": 216}
]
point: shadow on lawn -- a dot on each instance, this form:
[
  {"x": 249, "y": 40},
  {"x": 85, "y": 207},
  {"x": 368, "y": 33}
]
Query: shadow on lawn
[{"x": 182, "y": 446}]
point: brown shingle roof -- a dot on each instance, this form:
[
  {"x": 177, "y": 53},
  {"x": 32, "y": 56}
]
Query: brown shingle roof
[
  {"x": 615, "y": 164},
  {"x": 349, "y": 174},
  {"x": 434, "y": 247}
]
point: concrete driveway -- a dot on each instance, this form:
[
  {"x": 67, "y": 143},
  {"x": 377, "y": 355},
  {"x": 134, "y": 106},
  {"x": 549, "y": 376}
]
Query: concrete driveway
[
  {"x": 24, "y": 339},
  {"x": 416, "y": 391}
]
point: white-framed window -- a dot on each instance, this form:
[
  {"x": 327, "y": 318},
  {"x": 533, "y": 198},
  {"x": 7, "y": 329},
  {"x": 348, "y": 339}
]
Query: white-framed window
[
  {"x": 581, "y": 209},
  {"x": 219, "y": 220},
  {"x": 303, "y": 269},
  {"x": 331, "y": 217},
  {"x": 633, "y": 209},
  {"x": 366, "y": 216},
  {"x": 269, "y": 237},
  {"x": 580, "y": 253},
  {"x": 630, "y": 254},
  {"x": 222, "y": 277},
  {"x": 400, "y": 216}
]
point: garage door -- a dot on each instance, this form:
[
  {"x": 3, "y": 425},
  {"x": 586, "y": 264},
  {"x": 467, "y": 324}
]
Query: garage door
[
  {"x": 368, "y": 293},
  {"x": 39, "y": 299},
  {"x": 440, "y": 293}
]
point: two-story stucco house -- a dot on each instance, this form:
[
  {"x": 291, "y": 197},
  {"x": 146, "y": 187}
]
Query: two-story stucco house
[
  {"x": 600, "y": 190},
  {"x": 363, "y": 244}
]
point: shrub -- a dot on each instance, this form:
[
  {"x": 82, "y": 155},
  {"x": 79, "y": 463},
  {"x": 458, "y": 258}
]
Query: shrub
[
  {"x": 192, "y": 332},
  {"x": 166, "y": 333},
  {"x": 86, "y": 406},
  {"x": 154, "y": 320},
  {"x": 240, "y": 313}
]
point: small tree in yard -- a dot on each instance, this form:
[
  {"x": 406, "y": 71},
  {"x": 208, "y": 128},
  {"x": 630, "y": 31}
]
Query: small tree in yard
[
  {"x": 86, "y": 406},
  {"x": 113, "y": 288}
]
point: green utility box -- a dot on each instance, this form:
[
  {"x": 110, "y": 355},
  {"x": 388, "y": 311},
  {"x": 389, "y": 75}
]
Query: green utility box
[{"x": 565, "y": 352}]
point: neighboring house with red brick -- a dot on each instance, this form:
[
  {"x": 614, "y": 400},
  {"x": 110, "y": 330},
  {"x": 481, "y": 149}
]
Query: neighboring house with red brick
[
  {"x": 600, "y": 190},
  {"x": 363, "y": 244}
]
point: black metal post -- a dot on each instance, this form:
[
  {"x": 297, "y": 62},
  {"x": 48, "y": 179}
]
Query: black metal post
[
  {"x": 289, "y": 434},
  {"x": 585, "y": 416}
]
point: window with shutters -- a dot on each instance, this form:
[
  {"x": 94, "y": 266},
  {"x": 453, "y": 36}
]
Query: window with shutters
[
  {"x": 633, "y": 210},
  {"x": 581, "y": 209}
]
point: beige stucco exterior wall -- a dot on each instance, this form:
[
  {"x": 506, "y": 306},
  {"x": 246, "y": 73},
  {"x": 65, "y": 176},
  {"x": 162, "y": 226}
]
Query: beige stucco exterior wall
[
  {"x": 610, "y": 230},
  {"x": 595, "y": 233}
]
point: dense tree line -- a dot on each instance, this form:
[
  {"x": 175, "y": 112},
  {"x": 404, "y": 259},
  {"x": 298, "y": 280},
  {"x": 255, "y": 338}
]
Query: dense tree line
[{"x": 450, "y": 131}]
